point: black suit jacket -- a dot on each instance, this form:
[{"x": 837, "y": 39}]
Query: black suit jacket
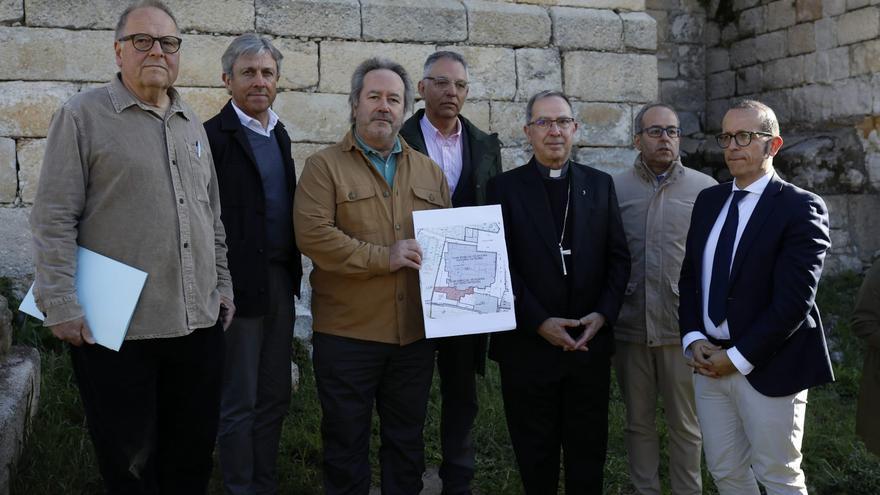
[
  {"x": 481, "y": 158},
  {"x": 598, "y": 268},
  {"x": 771, "y": 308},
  {"x": 242, "y": 205}
]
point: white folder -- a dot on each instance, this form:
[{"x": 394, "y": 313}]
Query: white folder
[{"x": 107, "y": 291}]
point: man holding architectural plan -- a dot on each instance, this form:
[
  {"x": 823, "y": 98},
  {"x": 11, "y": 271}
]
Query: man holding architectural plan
[
  {"x": 469, "y": 158},
  {"x": 128, "y": 174}
]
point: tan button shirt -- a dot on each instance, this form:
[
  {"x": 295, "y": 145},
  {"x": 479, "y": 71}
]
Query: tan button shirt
[
  {"x": 140, "y": 188},
  {"x": 346, "y": 217}
]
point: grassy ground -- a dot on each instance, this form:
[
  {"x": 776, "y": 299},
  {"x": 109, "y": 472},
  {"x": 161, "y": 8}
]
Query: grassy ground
[{"x": 58, "y": 457}]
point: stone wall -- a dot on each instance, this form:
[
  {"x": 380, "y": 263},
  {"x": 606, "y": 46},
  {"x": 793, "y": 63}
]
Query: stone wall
[{"x": 817, "y": 63}]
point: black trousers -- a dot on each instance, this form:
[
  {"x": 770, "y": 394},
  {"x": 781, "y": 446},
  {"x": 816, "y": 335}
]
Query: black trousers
[
  {"x": 457, "y": 364},
  {"x": 564, "y": 408},
  {"x": 352, "y": 375},
  {"x": 152, "y": 411}
]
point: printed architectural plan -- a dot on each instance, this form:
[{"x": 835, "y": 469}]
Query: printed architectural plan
[{"x": 465, "y": 282}]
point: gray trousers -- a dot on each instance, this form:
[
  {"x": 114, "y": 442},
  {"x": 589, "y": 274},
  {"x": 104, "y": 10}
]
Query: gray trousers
[{"x": 256, "y": 391}]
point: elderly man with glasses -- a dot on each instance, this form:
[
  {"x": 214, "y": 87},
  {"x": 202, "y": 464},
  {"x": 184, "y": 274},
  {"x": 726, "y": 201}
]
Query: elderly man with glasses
[
  {"x": 569, "y": 265},
  {"x": 128, "y": 173},
  {"x": 656, "y": 196},
  {"x": 469, "y": 158},
  {"x": 748, "y": 316}
]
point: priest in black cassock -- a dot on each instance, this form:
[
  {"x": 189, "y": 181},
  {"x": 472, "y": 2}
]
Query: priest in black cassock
[{"x": 569, "y": 265}]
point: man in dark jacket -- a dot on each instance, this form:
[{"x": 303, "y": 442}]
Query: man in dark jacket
[
  {"x": 469, "y": 158},
  {"x": 256, "y": 177}
]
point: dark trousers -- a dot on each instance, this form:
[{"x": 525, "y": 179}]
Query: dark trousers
[
  {"x": 353, "y": 374},
  {"x": 457, "y": 365},
  {"x": 561, "y": 408},
  {"x": 152, "y": 411},
  {"x": 256, "y": 391}
]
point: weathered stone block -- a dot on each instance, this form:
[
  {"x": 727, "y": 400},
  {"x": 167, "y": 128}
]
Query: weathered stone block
[
  {"x": 30, "y": 162},
  {"x": 827, "y": 65},
  {"x": 832, "y": 8},
  {"x": 784, "y": 73},
  {"x": 687, "y": 28},
  {"x": 780, "y": 14},
  {"x": 722, "y": 84},
  {"x": 667, "y": 69},
  {"x": 864, "y": 222},
  {"x": 314, "y": 117},
  {"x": 684, "y": 95},
  {"x": 205, "y": 102},
  {"x": 808, "y": 10},
  {"x": 661, "y": 17},
  {"x": 858, "y": 25},
  {"x": 780, "y": 101},
  {"x": 751, "y": 21},
  {"x": 514, "y": 157},
  {"x": 495, "y": 23},
  {"x": 492, "y": 71},
  {"x": 403, "y": 20},
  {"x": 301, "y": 151},
  {"x": 639, "y": 31},
  {"x": 743, "y": 53},
  {"x": 312, "y": 18},
  {"x": 691, "y": 61},
  {"x": 11, "y": 10},
  {"x": 811, "y": 103},
  {"x": 26, "y": 108},
  {"x": 711, "y": 34},
  {"x": 857, "y": 4},
  {"x": 537, "y": 69},
  {"x": 339, "y": 59},
  {"x": 717, "y": 60},
  {"x": 851, "y": 98},
  {"x": 771, "y": 46},
  {"x": 826, "y": 33},
  {"x": 609, "y": 160},
  {"x": 623, "y": 77},
  {"x": 16, "y": 259},
  {"x": 213, "y": 16},
  {"x": 8, "y": 175},
  {"x": 508, "y": 119},
  {"x": 715, "y": 110},
  {"x": 603, "y": 124},
  {"x": 95, "y": 14},
  {"x": 729, "y": 33},
  {"x": 20, "y": 383},
  {"x": 865, "y": 57},
  {"x": 586, "y": 29},
  {"x": 801, "y": 39},
  {"x": 749, "y": 80},
  {"x": 744, "y": 4},
  {"x": 56, "y": 54},
  {"x": 688, "y": 121}
]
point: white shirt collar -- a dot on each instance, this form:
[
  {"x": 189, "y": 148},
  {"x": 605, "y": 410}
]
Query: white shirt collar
[
  {"x": 427, "y": 126},
  {"x": 756, "y": 187},
  {"x": 254, "y": 124}
]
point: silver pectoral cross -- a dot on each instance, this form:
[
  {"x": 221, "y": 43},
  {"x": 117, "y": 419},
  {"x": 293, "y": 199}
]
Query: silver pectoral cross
[{"x": 562, "y": 255}]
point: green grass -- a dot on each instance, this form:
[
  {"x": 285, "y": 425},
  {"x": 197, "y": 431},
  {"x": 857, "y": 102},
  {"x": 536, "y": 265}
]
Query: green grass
[{"x": 58, "y": 456}]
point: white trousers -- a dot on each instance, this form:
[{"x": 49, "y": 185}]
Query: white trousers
[{"x": 747, "y": 435}]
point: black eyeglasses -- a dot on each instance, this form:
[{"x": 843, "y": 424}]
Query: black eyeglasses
[
  {"x": 442, "y": 83},
  {"x": 143, "y": 42},
  {"x": 742, "y": 138},
  {"x": 562, "y": 123},
  {"x": 655, "y": 131}
]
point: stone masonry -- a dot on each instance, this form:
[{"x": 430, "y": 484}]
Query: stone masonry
[{"x": 600, "y": 52}]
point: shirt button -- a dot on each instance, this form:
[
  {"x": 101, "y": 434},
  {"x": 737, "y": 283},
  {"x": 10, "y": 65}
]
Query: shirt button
[
  {"x": 180, "y": 200},
  {"x": 185, "y": 245},
  {"x": 400, "y": 297},
  {"x": 351, "y": 195},
  {"x": 397, "y": 226}
]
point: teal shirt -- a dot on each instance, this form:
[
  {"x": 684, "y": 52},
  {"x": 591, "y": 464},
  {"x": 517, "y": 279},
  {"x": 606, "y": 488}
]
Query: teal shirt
[{"x": 386, "y": 166}]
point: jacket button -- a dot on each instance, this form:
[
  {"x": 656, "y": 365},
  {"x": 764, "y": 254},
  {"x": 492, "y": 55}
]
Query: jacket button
[
  {"x": 400, "y": 297},
  {"x": 397, "y": 226},
  {"x": 385, "y": 194},
  {"x": 431, "y": 197},
  {"x": 351, "y": 195}
]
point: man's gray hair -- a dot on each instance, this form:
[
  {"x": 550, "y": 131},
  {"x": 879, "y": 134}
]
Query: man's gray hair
[
  {"x": 639, "y": 124},
  {"x": 378, "y": 63},
  {"x": 547, "y": 93},
  {"x": 434, "y": 57},
  {"x": 249, "y": 44},
  {"x": 769, "y": 122},
  {"x": 142, "y": 4}
]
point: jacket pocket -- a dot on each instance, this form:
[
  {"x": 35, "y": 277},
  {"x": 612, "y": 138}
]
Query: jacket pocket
[
  {"x": 357, "y": 211},
  {"x": 427, "y": 199}
]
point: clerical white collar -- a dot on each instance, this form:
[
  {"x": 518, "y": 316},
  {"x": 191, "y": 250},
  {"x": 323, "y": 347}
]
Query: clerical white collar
[{"x": 552, "y": 173}]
